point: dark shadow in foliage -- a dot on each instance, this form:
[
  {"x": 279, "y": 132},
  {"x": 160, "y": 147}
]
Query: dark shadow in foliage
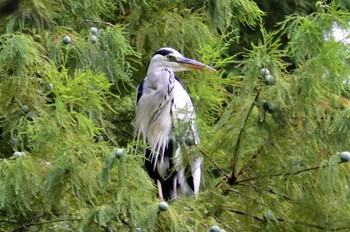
[{"x": 9, "y": 7}]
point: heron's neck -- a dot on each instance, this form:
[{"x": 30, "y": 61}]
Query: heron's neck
[{"x": 157, "y": 75}]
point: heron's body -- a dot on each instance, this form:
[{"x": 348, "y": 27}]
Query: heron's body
[{"x": 164, "y": 119}]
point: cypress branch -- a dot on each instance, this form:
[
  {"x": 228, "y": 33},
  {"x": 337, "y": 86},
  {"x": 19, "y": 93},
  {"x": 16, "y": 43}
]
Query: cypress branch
[
  {"x": 30, "y": 224},
  {"x": 213, "y": 162},
  {"x": 78, "y": 83},
  {"x": 275, "y": 220},
  {"x": 233, "y": 178},
  {"x": 100, "y": 22},
  {"x": 285, "y": 174}
]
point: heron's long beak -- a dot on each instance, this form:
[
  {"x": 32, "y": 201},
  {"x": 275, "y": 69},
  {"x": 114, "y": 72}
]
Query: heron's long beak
[{"x": 193, "y": 64}]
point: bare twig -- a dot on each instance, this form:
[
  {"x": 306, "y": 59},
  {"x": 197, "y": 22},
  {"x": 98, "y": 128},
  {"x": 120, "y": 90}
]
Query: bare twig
[
  {"x": 97, "y": 21},
  {"x": 202, "y": 223},
  {"x": 213, "y": 162},
  {"x": 285, "y": 197},
  {"x": 233, "y": 178},
  {"x": 221, "y": 221},
  {"x": 245, "y": 213},
  {"x": 235, "y": 191},
  {"x": 26, "y": 225},
  {"x": 269, "y": 190},
  {"x": 246, "y": 166},
  {"x": 321, "y": 227},
  {"x": 264, "y": 220},
  {"x": 283, "y": 174}
]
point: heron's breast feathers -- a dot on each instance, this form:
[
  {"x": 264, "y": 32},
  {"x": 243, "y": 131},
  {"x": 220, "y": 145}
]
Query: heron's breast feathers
[{"x": 153, "y": 116}]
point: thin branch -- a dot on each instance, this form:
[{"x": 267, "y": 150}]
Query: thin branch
[
  {"x": 246, "y": 165},
  {"x": 284, "y": 174},
  {"x": 220, "y": 221},
  {"x": 25, "y": 226},
  {"x": 236, "y": 191},
  {"x": 269, "y": 190},
  {"x": 97, "y": 21},
  {"x": 285, "y": 197},
  {"x": 213, "y": 162},
  {"x": 221, "y": 181},
  {"x": 245, "y": 213},
  {"x": 233, "y": 178},
  {"x": 264, "y": 220},
  {"x": 321, "y": 227},
  {"x": 202, "y": 223}
]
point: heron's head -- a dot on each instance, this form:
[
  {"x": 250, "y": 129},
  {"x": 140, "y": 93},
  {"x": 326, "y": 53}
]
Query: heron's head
[{"x": 170, "y": 58}]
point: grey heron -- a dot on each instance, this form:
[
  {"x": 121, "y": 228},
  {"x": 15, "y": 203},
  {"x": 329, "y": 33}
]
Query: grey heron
[{"x": 165, "y": 118}]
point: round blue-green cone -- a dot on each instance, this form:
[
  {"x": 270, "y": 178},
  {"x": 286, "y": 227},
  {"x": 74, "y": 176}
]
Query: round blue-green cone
[
  {"x": 25, "y": 109},
  {"x": 345, "y": 156},
  {"x": 93, "y": 38},
  {"x": 119, "y": 152},
  {"x": 214, "y": 229},
  {"x": 94, "y": 30},
  {"x": 67, "y": 40},
  {"x": 269, "y": 79},
  {"x": 265, "y": 71},
  {"x": 163, "y": 206}
]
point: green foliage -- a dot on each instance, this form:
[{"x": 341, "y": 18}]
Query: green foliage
[
  {"x": 110, "y": 54},
  {"x": 33, "y": 16},
  {"x": 271, "y": 151},
  {"x": 276, "y": 154},
  {"x": 182, "y": 30},
  {"x": 307, "y": 33},
  {"x": 20, "y": 54},
  {"x": 237, "y": 12}
]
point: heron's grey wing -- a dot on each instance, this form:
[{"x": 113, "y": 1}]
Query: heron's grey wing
[
  {"x": 153, "y": 118},
  {"x": 139, "y": 91},
  {"x": 184, "y": 119}
]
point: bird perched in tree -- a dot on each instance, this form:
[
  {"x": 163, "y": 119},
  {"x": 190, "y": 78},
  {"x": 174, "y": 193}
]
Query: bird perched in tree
[{"x": 165, "y": 121}]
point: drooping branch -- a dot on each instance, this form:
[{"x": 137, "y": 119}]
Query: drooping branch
[
  {"x": 98, "y": 21},
  {"x": 274, "y": 220},
  {"x": 233, "y": 178},
  {"x": 246, "y": 214},
  {"x": 284, "y": 174},
  {"x": 220, "y": 221},
  {"x": 29, "y": 224},
  {"x": 213, "y": 162}
]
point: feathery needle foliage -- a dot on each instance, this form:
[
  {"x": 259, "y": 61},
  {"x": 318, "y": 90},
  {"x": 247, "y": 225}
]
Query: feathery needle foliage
[{"x": 272, "y": 120}]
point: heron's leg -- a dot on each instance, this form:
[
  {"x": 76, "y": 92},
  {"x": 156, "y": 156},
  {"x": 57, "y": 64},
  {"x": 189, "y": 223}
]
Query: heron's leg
[
  {"x": 160, "y": 190},
  {"x": 174, "y": 188}
]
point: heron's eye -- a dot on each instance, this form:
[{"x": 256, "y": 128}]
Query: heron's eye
[{"x": 171, "y": 58}]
